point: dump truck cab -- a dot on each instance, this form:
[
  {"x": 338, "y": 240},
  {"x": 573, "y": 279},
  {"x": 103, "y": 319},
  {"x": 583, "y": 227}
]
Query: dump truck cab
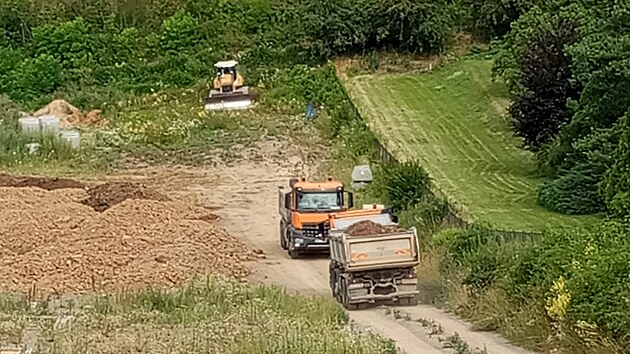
[{"x": 304, "y": 209}]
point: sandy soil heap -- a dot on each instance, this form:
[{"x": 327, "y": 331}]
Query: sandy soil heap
[
  {"x": 70, "y": 116},
  {"x": 57, "y": 240},
  {"x": 367, "y": 228}
]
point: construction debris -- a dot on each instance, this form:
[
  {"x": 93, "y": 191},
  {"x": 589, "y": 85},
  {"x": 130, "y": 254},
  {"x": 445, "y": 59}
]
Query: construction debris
[{"x": 53, "y": 242}]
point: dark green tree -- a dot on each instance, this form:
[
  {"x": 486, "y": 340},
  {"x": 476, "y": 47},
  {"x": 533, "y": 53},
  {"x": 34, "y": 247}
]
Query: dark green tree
[{"x": 539, "y": 110}]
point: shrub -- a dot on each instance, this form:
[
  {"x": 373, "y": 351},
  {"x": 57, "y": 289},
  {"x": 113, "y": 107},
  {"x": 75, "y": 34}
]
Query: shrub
[
  {"x": 574, "y": 192},
  {"x": 616, "y": 185},
  {"x": 405, "y": 184},
  {"x": 35, "y": 77}
]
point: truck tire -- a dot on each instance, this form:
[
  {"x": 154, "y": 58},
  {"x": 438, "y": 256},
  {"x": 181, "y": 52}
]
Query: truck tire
[
  {"x": 331, "y": 277},
  {"x": 333, "y": 272},
  {"x": 283, "y": 239},
  {"x": 345, "y": 296},
  {"x": 294, "y": 254}
]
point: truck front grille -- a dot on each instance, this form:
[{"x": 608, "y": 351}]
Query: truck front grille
[{"x": 318, "y": 230}]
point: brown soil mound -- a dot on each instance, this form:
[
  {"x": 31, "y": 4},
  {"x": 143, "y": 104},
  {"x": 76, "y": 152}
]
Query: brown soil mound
[
  {"x": 107, "y": 195},
  {"x": 51, "y": 241},
  {"x": 39, "y": 182},
  {"x": 367, "y": 228},
  {"x": 69, "y": 115}
]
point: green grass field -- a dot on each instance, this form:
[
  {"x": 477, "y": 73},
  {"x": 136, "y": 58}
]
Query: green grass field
[{"x": 453, "y": 120}]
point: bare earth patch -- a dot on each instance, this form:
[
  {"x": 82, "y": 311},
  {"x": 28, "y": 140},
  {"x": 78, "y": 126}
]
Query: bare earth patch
[{"x": 52, "y": 242}]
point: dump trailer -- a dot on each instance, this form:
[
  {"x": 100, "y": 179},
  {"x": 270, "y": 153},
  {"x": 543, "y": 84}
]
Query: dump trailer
[{"x": 373, "y": 267}]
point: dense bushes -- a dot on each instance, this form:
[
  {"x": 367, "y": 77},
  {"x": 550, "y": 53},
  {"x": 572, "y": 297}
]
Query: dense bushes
[
  {"x": 616, "y": 184},
  {"x": 575, "y": 290},
  {"x": 155, "y": 45}
]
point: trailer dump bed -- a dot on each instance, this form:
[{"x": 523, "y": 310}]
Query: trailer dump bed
[
  {"x": 361, "y": 253},
  {"x": 372, "y": 260}
]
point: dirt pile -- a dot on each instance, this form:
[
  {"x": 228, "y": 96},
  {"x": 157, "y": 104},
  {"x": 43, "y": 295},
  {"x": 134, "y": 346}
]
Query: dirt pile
[
  {"x": 46, "y": 183},
  {"x": 107, "y": 195},
  {"x": 368, "y": 228},
  {"x": 70, "y": 116},
  {"x": 50, "y": 240}
]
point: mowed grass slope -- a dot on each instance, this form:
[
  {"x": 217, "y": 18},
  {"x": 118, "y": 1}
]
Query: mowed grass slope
[{"x": 453, "y": 120}]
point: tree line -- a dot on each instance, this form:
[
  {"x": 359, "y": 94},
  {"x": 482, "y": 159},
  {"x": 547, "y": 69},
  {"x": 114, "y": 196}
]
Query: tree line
[{"x": 59, "y": 46}]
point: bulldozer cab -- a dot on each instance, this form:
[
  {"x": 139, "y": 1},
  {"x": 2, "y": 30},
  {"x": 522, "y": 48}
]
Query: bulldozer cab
[{"x": 225, "y": 68}]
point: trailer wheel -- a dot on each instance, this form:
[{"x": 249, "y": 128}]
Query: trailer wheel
[
  {"x": 345, "y": 296},
  {"x": 283, "y": 234}
]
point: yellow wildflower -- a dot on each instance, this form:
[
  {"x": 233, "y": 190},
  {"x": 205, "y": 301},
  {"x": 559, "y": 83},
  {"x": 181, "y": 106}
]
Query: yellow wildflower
[{"x": 558, "y": 304}]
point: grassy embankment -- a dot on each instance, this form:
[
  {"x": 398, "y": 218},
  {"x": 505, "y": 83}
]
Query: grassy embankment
[{"x": 453, "y": 121}]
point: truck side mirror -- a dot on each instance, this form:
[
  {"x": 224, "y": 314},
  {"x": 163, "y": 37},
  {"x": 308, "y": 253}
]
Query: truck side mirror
[
  {"x": 287, "y": 201},
  {"x": 350, "y": 200}
]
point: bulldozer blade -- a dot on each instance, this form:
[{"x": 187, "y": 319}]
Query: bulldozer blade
[
  {"x": 227, "y": 104},
  {"x": 228, "y": 101}
]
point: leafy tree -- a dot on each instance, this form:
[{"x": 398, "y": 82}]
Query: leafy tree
[
  {"x": 601, "y": 63},
  {"x": 417, "y": 25},
  {"x": 539, "y": 109},
  {"x": 493, "y": 18}
]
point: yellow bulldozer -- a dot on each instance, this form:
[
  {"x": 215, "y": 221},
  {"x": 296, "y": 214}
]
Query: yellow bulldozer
[{"x": 228, "y": 90}]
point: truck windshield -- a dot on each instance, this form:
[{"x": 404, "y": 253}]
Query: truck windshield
[{"x": 319, "y": 201}]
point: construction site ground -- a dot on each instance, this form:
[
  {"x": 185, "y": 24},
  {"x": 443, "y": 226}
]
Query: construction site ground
[{"x": 198, "y": 204}]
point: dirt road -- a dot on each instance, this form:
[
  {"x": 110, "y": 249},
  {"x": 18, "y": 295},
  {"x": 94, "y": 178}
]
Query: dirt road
[{"x": 245, "y": 196}]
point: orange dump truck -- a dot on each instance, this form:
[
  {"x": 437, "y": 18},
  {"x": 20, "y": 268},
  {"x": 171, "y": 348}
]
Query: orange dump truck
[
  {"x": 372, "y": 259},
  {"x": 304, "y": 208}
]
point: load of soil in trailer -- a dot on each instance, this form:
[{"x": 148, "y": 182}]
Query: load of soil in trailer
[
  {"x": 57, "y": 243},
  {"x": 368, "y": 228}
]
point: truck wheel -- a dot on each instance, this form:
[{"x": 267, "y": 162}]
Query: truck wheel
[
  {"x": 331, "y": 277},
  {"x": 334, "y": 276},
  {"x": 294, "y": 254},
  {"x": 283, "y": 240}
]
